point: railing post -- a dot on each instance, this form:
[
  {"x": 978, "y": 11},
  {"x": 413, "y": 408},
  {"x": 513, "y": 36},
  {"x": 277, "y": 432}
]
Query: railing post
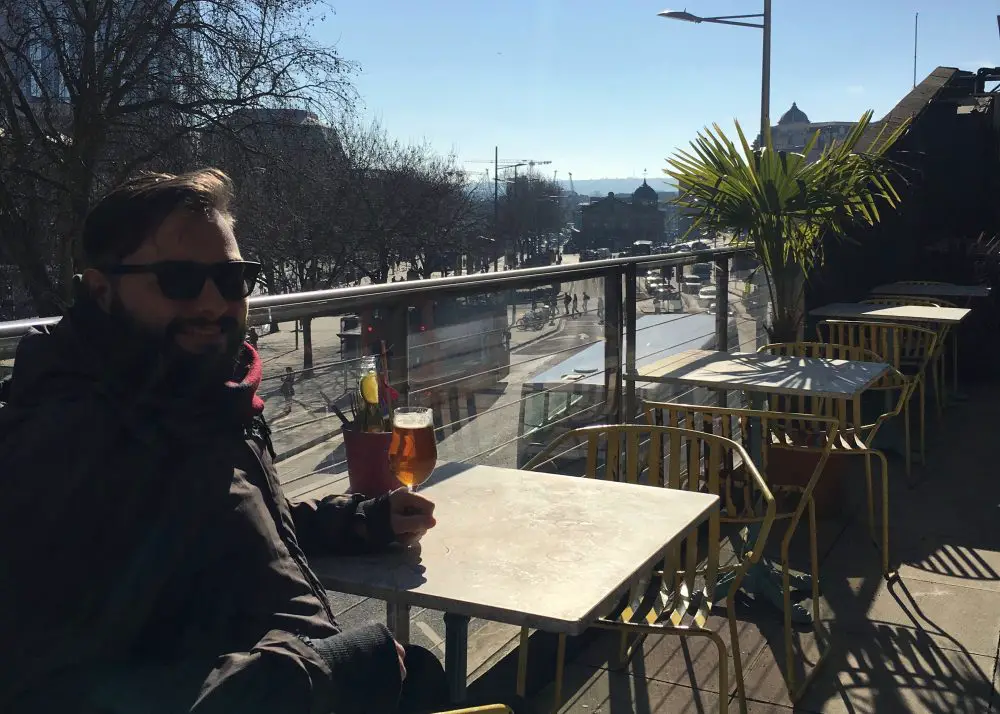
[
  {"x": 613, "y": 354},
  {"x": 630, "y": 317},
  {"x": 722, "y": 314},
  {"x": 397, "y": 346},
  {"x": 722, "y": 304}
]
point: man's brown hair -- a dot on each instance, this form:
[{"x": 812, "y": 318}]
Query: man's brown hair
[{"x": 123, "y": 219}]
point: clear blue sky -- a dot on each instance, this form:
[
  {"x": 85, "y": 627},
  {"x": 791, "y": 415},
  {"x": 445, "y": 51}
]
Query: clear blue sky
[{"x": 604, "y": 88}]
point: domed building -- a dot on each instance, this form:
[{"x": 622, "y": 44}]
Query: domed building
[
  {"x": 794, "y": 129},
  {"x": 615, "y": 223},
  {"x": 793, "y": 116}
]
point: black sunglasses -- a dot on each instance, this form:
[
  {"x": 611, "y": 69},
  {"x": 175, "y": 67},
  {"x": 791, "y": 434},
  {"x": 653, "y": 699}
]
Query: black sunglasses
[{"x": 184, "y": 279}]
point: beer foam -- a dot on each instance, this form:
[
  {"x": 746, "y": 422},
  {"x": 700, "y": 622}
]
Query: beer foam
[{"x": 410, "y": 420}]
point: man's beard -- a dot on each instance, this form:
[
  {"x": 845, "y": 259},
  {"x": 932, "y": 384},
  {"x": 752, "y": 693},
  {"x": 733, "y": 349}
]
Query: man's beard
[{"x": 155, "y": 354}]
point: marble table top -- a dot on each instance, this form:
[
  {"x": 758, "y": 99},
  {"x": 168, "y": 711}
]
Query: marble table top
[
  {"x": 525, "y": 548},
  {"x": 892, "y": 313},
  {"x": 946, "y": 290},
  {"x": 838, "y": 379}
]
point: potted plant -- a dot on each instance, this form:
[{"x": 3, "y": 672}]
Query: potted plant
[
  {"x": 784, "y": 206},
  {"x": 368, "y": 432}
]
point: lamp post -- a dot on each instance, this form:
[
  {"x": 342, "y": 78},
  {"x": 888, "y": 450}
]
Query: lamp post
[{"x": 740, "y": 21}]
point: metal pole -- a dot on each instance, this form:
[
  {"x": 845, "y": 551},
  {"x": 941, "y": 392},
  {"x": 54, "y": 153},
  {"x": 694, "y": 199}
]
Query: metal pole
[
  {"x": 916, "y": 24},
  {"x": 722, "y": 315},
  {"x": 612, "y": 291},
  {"x": 630, "y": 318},
  {"x": 765, "y": 82},
  {"x": 496, "y": 209}
]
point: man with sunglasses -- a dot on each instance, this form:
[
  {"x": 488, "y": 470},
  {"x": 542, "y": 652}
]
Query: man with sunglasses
[{"x": 151, "y": 563}]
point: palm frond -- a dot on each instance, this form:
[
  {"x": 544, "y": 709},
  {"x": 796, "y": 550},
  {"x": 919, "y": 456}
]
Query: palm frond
[{"x": 779, "y": 202}]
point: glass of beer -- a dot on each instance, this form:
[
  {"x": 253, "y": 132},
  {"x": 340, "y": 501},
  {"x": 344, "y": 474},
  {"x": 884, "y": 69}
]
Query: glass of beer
[{"x": 413, "y": 449}]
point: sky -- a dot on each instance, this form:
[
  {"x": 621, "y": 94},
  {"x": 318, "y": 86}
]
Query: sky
[{"x": 605, "y": 88}]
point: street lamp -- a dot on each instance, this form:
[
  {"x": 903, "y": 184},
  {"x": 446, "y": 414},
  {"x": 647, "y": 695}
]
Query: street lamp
[{"x": 739, "y": 21}]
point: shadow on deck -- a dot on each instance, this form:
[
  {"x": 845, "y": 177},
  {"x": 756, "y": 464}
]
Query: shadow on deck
[{"x": 926, "y": 641}]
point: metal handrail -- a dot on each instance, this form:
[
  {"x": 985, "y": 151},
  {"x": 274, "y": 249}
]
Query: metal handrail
[{"x": 291, "y": 306}]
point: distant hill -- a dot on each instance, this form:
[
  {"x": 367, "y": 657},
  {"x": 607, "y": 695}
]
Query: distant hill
[{"x": 604, "y": 186}]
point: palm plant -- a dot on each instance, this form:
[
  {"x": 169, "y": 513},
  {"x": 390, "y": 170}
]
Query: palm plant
[{"x": 784, "y": 206}]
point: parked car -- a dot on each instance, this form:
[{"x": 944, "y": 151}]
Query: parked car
[
  {"x": 692, "y": 284},
  {"x": 707, "y": 292}
]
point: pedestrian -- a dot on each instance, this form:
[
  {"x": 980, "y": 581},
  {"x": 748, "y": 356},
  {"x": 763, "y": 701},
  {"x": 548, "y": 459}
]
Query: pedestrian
[
  {"x": 586, "y": 303},
  {"x": 567, "y": 301},
  {"x": 600, "y": 307},
  {"x": 252, "y": 337},
  {"x": 134, "y": 453},
  {"x": 287, "y": 388},
  {"x": 576, "y": 309}
]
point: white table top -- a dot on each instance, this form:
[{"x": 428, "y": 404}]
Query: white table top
[
  {"x": 943, "y": 291},
  {"x": 892, "y": 313},
  {"x": 525, "y": 548},
  {"x": 838, "y": 379}
]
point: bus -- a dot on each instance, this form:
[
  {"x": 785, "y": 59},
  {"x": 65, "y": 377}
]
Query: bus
[
  {"x": 457, "y": 346},
  {"x": 642, "y": 247},
  {"x": 573, "y": 392}
]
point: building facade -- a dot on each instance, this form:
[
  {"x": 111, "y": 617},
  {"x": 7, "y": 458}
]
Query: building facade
[
  {"x": 794, "y": 130},
  {"x": 615, "y": 223}
]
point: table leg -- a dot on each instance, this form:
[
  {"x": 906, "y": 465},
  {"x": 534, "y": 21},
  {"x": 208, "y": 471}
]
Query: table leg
[
  {"x": 456, "y": 654},
  {"x": 397, "y": 619}
]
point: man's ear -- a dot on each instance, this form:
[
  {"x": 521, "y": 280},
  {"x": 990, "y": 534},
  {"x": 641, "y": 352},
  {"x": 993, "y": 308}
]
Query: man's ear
[{"x": 98, "y": 287}]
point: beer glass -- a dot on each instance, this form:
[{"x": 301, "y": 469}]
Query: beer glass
[{"x": 413, "y": 449}]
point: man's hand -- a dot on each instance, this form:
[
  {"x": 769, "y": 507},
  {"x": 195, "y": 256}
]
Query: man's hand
[
  {"x": 412, "y": 515},
  {"x": 401, "y": 655}
]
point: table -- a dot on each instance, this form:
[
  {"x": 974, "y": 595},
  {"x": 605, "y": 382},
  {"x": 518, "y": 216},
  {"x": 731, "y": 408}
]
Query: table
[
  {"x": 520, "y": 547},
  {"x": 763, "y": 373},
  {"x": 892, "y": 313},
  {"x": 946, "y": 290},
  {"x": 753, "y": 372},
  {"x": 949, "y": 316}
]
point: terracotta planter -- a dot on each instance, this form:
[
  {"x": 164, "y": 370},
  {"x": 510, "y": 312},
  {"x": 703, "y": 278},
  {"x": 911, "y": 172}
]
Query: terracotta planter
[
  {"x": 794, "y": 468},
  {"x": 368, "y": 462}
]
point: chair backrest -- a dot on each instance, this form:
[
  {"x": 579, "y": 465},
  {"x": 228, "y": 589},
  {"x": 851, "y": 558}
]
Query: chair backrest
[
  {"x": 681, "y": 459},
  {"x": 773, "y": 429},
  {"x": 898, "y": 344}
]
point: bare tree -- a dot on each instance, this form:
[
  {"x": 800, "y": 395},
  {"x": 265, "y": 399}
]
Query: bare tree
[
  {"x": 530, "y": 208},
  {"x": 92, "y": 90}
]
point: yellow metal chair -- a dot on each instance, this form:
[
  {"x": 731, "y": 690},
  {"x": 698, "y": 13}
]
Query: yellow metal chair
[
  {"x": 953, "y": 334},
  {"x": 907, "y": 348},
  {"x": 772, "y": 431},
  {"x": 943, "y": 332},
  {"x": 679, "y": 595},
  {"x": 854, "y": 436}
]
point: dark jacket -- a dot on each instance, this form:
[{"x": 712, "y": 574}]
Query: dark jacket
[{"x": 146, "y": 534}]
